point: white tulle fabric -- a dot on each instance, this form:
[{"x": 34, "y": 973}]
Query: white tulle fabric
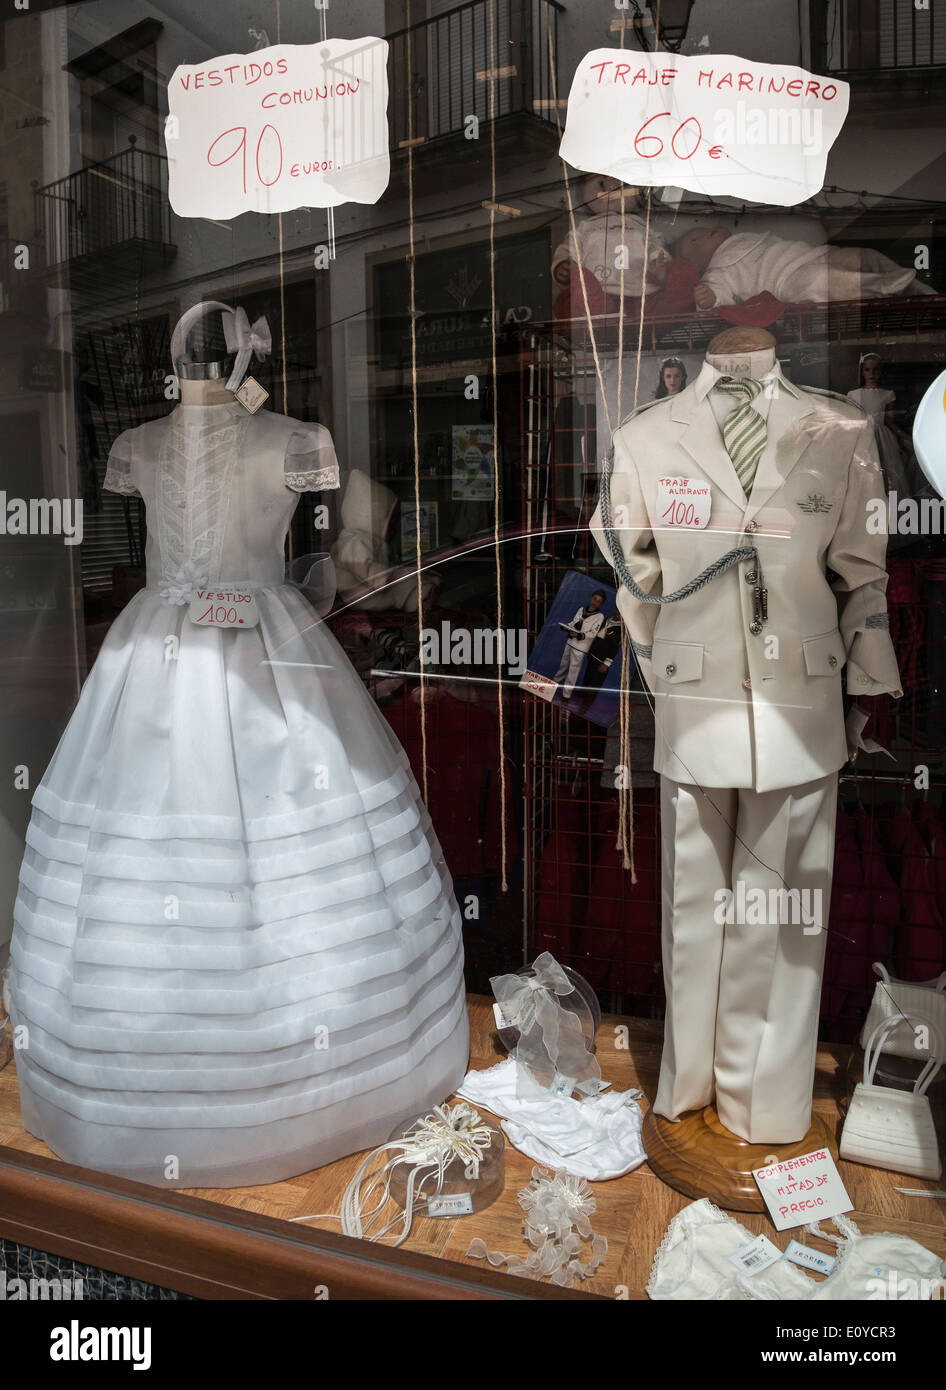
[{"x": 236, "y": 950}]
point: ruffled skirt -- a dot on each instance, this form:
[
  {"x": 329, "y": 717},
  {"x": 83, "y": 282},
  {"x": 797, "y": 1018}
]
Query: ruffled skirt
[{"x": 236, "y": 953}]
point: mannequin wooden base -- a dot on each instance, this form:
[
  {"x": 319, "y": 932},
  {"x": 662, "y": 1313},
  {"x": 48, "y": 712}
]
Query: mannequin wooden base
[{"x": 699, "y": 1157}]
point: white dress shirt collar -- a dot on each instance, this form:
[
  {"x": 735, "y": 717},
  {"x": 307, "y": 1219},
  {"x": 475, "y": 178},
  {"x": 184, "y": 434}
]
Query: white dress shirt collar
[{"x": 759, "y": 361}]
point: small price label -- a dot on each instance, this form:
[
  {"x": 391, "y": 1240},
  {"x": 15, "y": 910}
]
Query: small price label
[
  {"x": 223, "y": 608},
  {"x": 251, "y": 395},
  {"x": 756, "y": 1256},
  {"x": 809, "y": 1259},
  {"x": 501, "y": 1020},
  {"x": 450, "y": 1204}
]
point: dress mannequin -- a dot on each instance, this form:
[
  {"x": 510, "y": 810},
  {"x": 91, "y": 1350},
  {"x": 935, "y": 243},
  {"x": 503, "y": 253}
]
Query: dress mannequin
[{"x": 746, "y": 672}]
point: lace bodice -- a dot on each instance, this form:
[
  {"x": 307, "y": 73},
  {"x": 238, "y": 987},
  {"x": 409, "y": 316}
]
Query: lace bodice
[{"x": 220, "y": 487}]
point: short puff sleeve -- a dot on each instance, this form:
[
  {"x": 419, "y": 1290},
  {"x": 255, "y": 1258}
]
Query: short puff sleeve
[
  {"x": 118, "y": 472},
  {"x": 311, "y": 465}
]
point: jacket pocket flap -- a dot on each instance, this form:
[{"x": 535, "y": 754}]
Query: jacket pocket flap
[
  {"x": 677, "y": 661},
  {"x": 824, "y": 655}
]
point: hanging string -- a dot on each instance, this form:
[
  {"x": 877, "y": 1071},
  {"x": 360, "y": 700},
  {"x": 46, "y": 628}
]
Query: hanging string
[
  {"x": 625, "y": 834},
  {"x": 574, "y": 233},
  {"x": 493, "y": 79},
  {"x": 282, "y": 284},
  {"x": 282, "y": 322},
  {"x": 415, "y": 437}
]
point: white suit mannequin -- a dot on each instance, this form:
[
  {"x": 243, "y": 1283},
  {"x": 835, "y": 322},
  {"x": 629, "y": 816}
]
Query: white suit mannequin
[{"x": 749, "y": 721}]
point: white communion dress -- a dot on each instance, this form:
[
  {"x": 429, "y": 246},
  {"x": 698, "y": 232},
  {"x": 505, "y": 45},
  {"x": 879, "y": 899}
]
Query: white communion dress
[
  {"x": 237, "y": 955},
  {"x": 899, "y": 477}
]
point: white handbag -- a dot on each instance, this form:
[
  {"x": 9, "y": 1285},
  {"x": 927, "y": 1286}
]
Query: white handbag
[
  {"x": 893, "y": 999},
  {"x": 886, "y": 1128}
]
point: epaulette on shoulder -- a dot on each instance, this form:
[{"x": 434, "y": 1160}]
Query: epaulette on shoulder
[
  {"x": 834, "y": 396},
  {"x": 638, "y": 410}
]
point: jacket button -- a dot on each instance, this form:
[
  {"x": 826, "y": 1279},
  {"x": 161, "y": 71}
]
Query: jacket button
[
  {"x": 752, "y": 526},
  {"x": 863, "y": 680},
  {"x": 755, "y": 628},
  {"x": 751, "y": 577},
  {"x": 832, "y": 661},
  {"x": 747, "y": 684},
  {"x": 671, "y": 669}
]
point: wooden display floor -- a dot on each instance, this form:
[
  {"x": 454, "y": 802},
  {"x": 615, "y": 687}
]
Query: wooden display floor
[{"x": 176, "y": 1240}]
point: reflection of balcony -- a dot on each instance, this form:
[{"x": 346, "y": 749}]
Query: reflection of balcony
[
  {"x": 881, "y": 37},
  {"x": 113, "y": 214},
  {"x": 482, "y": 58}
]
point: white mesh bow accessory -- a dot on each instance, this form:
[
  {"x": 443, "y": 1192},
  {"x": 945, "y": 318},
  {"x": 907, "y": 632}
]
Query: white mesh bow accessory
[
  {"x": 558, "y": 1209},
  {"x": 246, "y": 340},
  {"x": 240, "y": 336},
  {"x": 552, "y": 1051}
]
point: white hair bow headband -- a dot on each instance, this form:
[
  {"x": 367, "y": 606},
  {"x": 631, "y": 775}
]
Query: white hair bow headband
[{"x": 241, "y": 337}]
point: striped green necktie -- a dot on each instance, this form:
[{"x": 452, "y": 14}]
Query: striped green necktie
[{"x": 744, "y": 430}]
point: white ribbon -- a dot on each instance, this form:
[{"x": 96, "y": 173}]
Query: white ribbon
[
  {"x": 245, "y": 339},
  {"x": 437, "y": 1139}
]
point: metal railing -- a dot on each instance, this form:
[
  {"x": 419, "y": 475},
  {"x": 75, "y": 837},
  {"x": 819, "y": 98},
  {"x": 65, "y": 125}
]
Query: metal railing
[
  {"x": 441, "y": 70},
  {"x": 877, "y": 35},
  {"x": 115, "y": 202}
]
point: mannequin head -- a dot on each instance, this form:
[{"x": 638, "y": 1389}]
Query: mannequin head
[
  {"x": 871, "y": 368},
  {"x": 672, "y": 379},
  {"x": 701, "y": 243}
]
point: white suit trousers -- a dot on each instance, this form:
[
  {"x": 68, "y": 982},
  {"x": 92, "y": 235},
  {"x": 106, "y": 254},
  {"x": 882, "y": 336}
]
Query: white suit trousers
[
  {"x": 743, "y": 974},
  {"x": 568, "y": 670}
]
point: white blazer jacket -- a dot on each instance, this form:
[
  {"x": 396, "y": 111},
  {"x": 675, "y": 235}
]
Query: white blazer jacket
[{"x": 738, "y": 704}]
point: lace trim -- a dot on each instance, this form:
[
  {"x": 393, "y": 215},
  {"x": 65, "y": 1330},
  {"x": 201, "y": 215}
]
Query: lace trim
[
  {"x": 312, "y": 480},
  {"x": 120, "y": 482}
]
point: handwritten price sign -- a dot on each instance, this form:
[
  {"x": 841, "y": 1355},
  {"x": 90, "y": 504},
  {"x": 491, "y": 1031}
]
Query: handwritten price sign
[
  {"x": 716, "y": 125},
  {"x": 294, "y": 125},
  {"x": 803, "y": 1189}
]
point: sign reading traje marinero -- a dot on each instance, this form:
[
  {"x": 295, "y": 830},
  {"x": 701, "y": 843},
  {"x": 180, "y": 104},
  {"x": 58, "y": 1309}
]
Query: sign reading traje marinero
[
  {"x": 294, "y": 125},
  {"x": 716, "y": 124}
]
